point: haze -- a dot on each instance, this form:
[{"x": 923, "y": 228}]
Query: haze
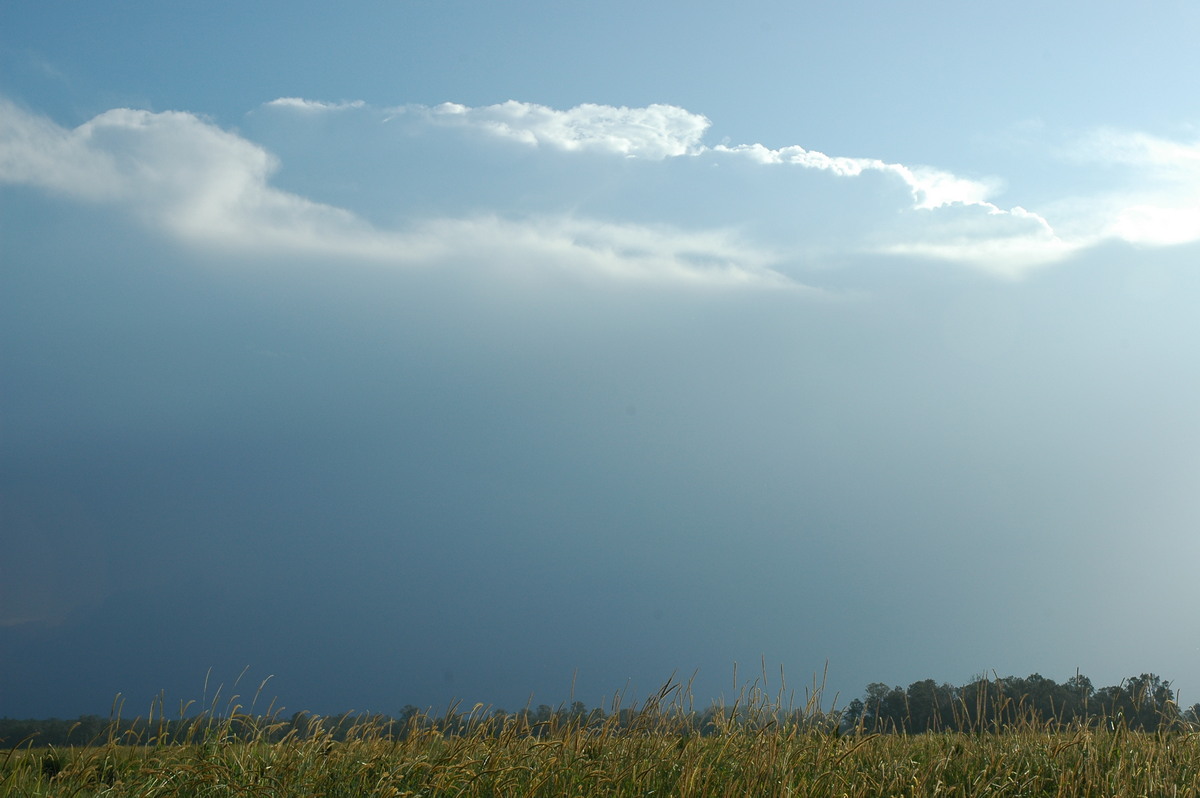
[{"x": 416, "y": 351}]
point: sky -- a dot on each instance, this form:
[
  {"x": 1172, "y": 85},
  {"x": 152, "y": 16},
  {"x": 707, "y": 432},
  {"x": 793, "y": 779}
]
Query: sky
[{"x": 405, "y": 352}]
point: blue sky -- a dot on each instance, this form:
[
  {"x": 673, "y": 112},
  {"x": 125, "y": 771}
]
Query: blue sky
[{"x": 415, "y": 351}]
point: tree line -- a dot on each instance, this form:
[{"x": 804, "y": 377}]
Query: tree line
[{"x": 1140, "y": 703}]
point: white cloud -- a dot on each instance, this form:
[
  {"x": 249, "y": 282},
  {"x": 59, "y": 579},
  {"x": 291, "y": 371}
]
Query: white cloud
[
  {"x": 654, "y": 132},
  {"x": 951, "y": 217},
  {"x": 662, "y": 131},
  {"x": 313, "y": 106},
  {"x": 658, "y": 132},
  {"x": 934, "y": 188},
  {"x": 626, "y": 251},
  {"x": 1004, "y": 242},
  {"x": 1169, "y": 160},
  {"x": 931, "y": 188},
  {"x": 1157, "y": 224},
  {"x": 35, "y": 151},
  {"x": 1159, "y": 203},
  {"x": 665, "y": 131},
  {"x": 211, "y": 187},
  {"x": 173, "y": 169}
]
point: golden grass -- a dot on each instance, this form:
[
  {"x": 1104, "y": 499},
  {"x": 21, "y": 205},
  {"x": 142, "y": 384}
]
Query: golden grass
[{"x": 755, "y": 748}]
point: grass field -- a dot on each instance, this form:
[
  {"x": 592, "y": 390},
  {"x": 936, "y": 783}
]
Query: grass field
[{"x": 652, "y": 750}]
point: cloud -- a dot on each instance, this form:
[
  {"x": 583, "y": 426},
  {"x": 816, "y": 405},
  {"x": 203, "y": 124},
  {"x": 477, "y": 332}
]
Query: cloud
[
  {"x": 666, "y": 131},
  {"x": 1157, "y": 224},
  {"x": 1159, "y": 203},
  {"x": 931, "y": 188},
  {"x": 313, "y": 106},
  {"x": 951, "y": 218},
  {"x": 212, "y": 188},
  {"x": 661, "y": 132},
  {"x": 35, "y": 151},
  {"x": 1004, "y": 242},
  {"x": 626, "y": 251},
  {"x": 176, "y": 171},
  {"x": 1170, "y": 160},
  {"x": 989, "y": 237},
  {"x": 654, "y": 132},
  {"x": 657, "y": 132}
]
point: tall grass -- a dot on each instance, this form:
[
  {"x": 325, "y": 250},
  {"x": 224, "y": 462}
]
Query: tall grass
[{"x": 761, "y": 745}]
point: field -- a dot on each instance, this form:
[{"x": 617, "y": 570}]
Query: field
[{"x": 653, "y": 750}]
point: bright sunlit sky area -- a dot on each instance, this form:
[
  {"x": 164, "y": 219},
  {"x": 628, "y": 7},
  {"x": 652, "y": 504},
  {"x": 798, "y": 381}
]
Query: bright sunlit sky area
[{"x": 423, "y": 350}]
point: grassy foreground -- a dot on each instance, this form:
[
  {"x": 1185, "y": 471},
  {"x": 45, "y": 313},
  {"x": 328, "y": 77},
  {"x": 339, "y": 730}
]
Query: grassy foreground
[{"x": 654, "y": 750}]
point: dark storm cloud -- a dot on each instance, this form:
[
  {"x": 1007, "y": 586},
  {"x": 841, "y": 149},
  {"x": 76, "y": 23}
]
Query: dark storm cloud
[{"x": 590, "y": 452}]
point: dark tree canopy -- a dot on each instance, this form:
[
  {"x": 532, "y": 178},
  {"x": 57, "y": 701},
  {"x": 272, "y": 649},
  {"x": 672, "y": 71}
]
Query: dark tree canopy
[{"x": 1144, "y": 703}]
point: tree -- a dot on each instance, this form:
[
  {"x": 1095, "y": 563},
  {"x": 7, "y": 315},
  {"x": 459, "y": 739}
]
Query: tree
[
  {"x": 1149, "y": 702},
  {"x": 929, "y": 706}
]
